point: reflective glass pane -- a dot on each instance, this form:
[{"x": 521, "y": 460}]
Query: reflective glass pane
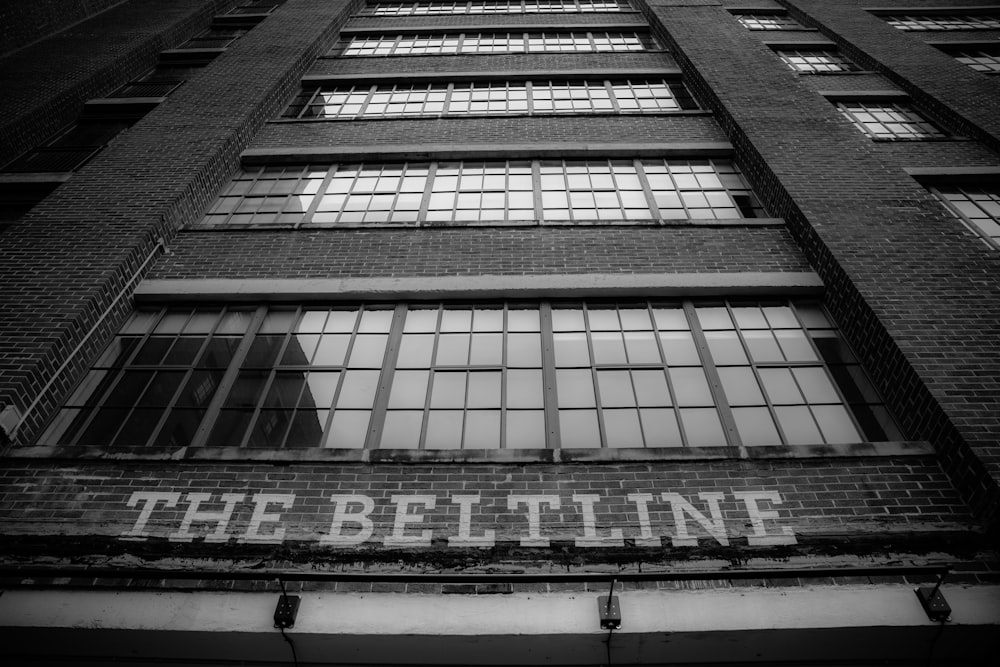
[
  {"x": 835, "y": 424},
  {"x": 622, "y": 428},
  {"x": 779, "y": 386},
  {"x": 524, "y": 350},
  {"x": 524, "y": 389},
  {"x": 615, "y": 389},
  {"x": 484, "y": 390},
  {"x": 453, "y": 350},
  {"x": 298, "y": 352},
  {"x": 247, "y": 389},
  {"x": 409, "y": 389},
  {"x": 415, "y": 351},
  {"x": 482, "y": 429},
  {"x": 161, "y": 389},
  {"x": 579, "y": 428},
  {"x": 368, "y": 351},
  {"x": 641, "y": 347},
  {"x": 486, "y": 349},
  {"x": 651, "y": 388},
  {"x": 795, "y": 345},
  {"x": 358, "y": 390},
  {"x": 756, "y": 427},
  {"x": 740, "y": 386},
  {"x": 763, "y": 347},
  {"x": 270, "y": 428},
  {"x": 401, "y": 429},
  {"x": 332, "y": 350},
  {"x": 660, "y": 428},
  {"x": 348, "y": 429},
  {"x": 525, "y": 429},
  {"x": 448, "y": 390},
  {"x": 725, "y": 348},
  {"x": 571, "y": 349},
  {"x": 798, "y": 425},
  {"x": 306, "y": 428},
  {"x": 609, "y": 347},
  {"x": 230, "y": 428},
  {"x": 679, "y": 348},
  {"x": 138, "y": 428},
  {"x": 690, "y": 386},
  {"x": 444, "y": 429},
  {"x": 179, "y": 428},
  {"x": 702, "y": 427},
  {"x": 714, "y": 317},
  {"x": 319, "y": 389},
  {"x": 815, "y": 385},
  {"x": 575, "y": 388}
]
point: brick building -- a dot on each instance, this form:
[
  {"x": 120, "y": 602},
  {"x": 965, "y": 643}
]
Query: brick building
[{"x": 438, "y": 321}]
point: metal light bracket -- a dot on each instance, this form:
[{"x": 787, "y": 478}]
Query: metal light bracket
[
  {"x": 611, "y": 612},
  {"x": 933, "y": 602},
  {"x": 286, "y": 611}
]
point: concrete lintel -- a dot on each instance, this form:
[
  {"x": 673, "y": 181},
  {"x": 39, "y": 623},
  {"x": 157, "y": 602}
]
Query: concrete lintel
[
  {"x": 936, "y": 11},
  {"x": 500, "y": 75},
  {"x": 638, "y": 25},
  {"x": 847, "y": 95},
  {"x": 805, "y": 44},
  {"x": 482, "y": 287},
  {"x": 952, "y": 172},
  {"x": 300, "y": 154}
]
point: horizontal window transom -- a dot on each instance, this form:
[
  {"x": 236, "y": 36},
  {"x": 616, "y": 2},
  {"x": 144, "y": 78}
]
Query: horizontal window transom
[
  {"x": 493, "y": 7},
  {"x": 494, "y": 42}
]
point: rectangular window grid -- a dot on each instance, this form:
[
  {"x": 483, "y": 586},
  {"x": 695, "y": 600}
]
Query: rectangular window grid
[
  {"x": 493, "y": 42},
  {"x": 508, "y": 375},
  {"x": 768, "y": 22},
  {"x": 815, "y": 61},
  {"x": 434, "y": 193},
  {"x": 982, "y": 60},
  {"x": 213, "y": 38},
  {"x": 494, "y": 7},
  {"x": 71, "y": 148},
  {"x": 954, "y": 22},
  {"x": 976, "y": 205},
  {"x": 492, "y": 98},
  {"x": 889, "y": 120}
]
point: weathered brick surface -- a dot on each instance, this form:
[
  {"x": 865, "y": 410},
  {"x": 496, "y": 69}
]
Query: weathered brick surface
[
  {"x": 646, "y": 129},
  {"x": 896, "y": 265},
  {"x": 82, "y": 246},
  {"x": 819, "y": 506},
  {"x": 439, "y": 252},
  {"x": 502, "y": 62},
  {"x": 932, "y": 154},
  {"x": 22, "y": 23},
  {"x": 958, "y": 94},
  {"x": 46, "y": 84}
]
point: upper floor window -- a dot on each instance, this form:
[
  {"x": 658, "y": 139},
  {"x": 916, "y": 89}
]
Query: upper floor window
[
  {"x": 918, "y": 22},
  {"x": 768, "y": 21},
  {"x": 213, "y": 38},
  {"x": 494, "y": 42},
  {"x": 71, "y": 148},
  {"x": 816, "y": 61},
  {"x": 976, "y": 204},
  {"x": 463, "y": 193},
  {"x": 982, "y": 59},
  {"x": 491, "y": 98},
  {"x": 256, "y": 7},
  {"x": 494, "y": 7},
  {"x": 486, "y": 376},
  {"x": 894, "y": 121}
]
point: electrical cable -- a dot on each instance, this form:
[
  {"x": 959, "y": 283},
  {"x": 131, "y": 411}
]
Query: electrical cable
[
  {"x": 607, "y": 643},
  {"x": 291, "y": 644},
  {"x": 930, "y": 651}
]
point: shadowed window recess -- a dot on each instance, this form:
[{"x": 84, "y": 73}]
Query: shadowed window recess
[
  {"x": 893, "y": 121},
  {"x": 517, "y": 375},
  {"x": 977, "y": 204}
]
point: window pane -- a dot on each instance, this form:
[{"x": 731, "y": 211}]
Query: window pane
[
  {"x": 578, "y": 428},
  {"x": 622, "y": 427},
  {"x": 702, "y": 427},
  {"x": 482, "y": 429},
  {"x": 756, "y": 427},
  {"x": 348, "y": 429},
  {"x": 525, "y": 429},
  {"x": 575, "y": 388},
  {"x": 401, "y": 429},
  {"x": 444, "y": 429}
]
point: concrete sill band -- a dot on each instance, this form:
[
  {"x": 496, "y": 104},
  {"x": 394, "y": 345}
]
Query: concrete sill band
[{"x": 485, "y": 456}]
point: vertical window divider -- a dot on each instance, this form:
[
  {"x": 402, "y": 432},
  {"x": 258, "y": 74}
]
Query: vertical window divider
[
  {"x": 550, "y": 400},
  {"x": 594, "y": 372},
  {"x": 536, "y": 186},
  {"x": 529, "y": 92},
  {"x": 320, "y": 192},
  {"x": 714, "y": 381},
  {"x": 381, "y": 406},
  {"x": 446, "y": 108},
  {"x": 647, "y": 191},
  {"x": 425, "y": 199},
  {"x": 214, "y": 408},
  {"x": 618, "y": 110}
]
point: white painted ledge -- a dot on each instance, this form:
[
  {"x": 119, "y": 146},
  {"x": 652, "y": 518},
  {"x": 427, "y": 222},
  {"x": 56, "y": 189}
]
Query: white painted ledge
[{"x": 863, "y": 622}]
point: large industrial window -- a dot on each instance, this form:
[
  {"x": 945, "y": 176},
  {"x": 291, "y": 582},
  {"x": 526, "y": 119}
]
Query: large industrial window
[
  {"x": 889, "y": 120},
  {"x": 982, "y": 59},
  {"x": 72, "y": 147},
  {"x": 978, "y": 205},
  {"x": 944, "y": 22},
  {"x": 816, "y": 61},
  {"x": 768, "y": 21},
  {"x": 493, "y": 42},
  {"x": 504, "y": 375},
  {"x": 463, "y": 193},
  {"x": 494, "y": 7},
  {"x": 491, "y": 98}
]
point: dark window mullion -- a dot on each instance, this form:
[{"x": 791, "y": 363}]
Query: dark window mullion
[
  {"x": 381, "y": 405},
  {"x": 550, "y": 400},
  {"x": 214, "y": 408},
  {"x": 714, "y": 381}
]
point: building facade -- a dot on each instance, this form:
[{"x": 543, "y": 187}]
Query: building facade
[{"x": 500, "y": 332}]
